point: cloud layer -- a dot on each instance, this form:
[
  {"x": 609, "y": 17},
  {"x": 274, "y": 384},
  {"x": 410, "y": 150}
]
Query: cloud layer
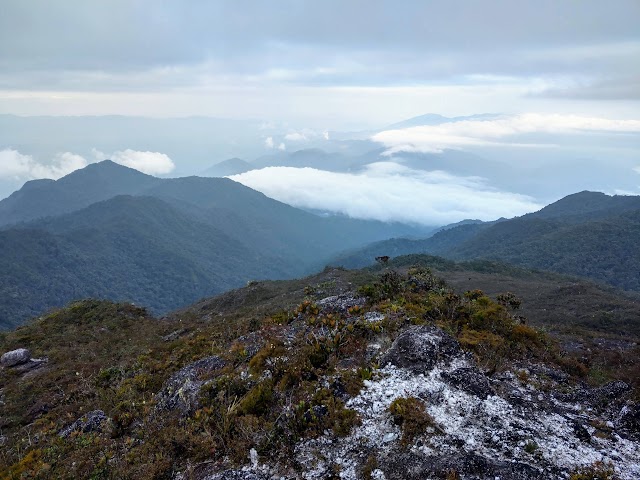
[
  {"x": 152, "y": 163},
  {"x": 15, "y": 165},
  {"x": 19, "y": 167},
  {"x": 387, "y": 191},
  {"x": 495, "y": 132}
]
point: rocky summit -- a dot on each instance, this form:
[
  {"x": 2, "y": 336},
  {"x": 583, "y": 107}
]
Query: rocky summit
[{"x": 347, "y": 375}]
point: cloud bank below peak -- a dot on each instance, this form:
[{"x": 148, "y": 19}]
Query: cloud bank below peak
[
  {"x": 389, "y": 192},
  {"x": 502, "y": 131},
  {"x": 17, "y": 166}
]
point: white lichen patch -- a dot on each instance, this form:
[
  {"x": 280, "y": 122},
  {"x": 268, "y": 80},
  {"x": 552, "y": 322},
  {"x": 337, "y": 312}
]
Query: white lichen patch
[{"x": 493, "y": 428}]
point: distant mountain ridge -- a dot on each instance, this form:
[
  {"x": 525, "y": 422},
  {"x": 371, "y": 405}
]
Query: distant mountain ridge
[
  {"x": 231, "y": 166},
  {"x": 588, "y": 234}
]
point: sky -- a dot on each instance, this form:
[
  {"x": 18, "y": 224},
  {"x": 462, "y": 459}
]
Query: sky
[{"x": 559, "y": 75}]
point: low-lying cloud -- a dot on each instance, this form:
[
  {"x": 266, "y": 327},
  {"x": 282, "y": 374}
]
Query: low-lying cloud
[
  {"x": 152, "y": 163},
  {"x": 388, "y": 191},
  {"x": 496, "y": 132},
  {"x": 17, "y": 166}
]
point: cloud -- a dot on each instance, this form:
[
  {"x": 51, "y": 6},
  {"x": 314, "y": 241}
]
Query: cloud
[
  {"x": 268, "y": 142},
  {"x": 17, "y": 166},
  {"x": 637, "y": 169},
  {"x": 152, "y": 163},
  {"x": 282, "y": 147},
  {"x": 295, "y": 137},
  {"x": 496, "y": 132},
  {"x": 388, "y": 191}
]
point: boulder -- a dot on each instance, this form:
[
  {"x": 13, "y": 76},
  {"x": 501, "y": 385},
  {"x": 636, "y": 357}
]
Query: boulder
[
  {"x": 91, "y": 422},
  {"x": 629, "y": 418},
  {"x": 422, "y": 347},
  {"x": 181, "y": 391},
  {"x": 15, "y": 357},
  {"x": 470, "y": 380}
]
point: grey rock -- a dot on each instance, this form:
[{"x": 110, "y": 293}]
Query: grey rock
[
  {"x": 31, "y": 364},
  {"x": 599, "y": 397},
  {"x": 91, "y": 422},
  {"x": 181, "y": 391},
  {"x": 409, "y": 466},
  {"x": 235, "y": 475},
  {"x": 15, "y": 357},
  {"x": 629, "y": 418},
  {"x": 340, "y": 303},
  {"x": 470, "y": 380},
  {"x": 422, "y": 347}
]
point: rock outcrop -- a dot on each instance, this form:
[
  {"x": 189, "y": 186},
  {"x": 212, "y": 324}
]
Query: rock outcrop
[
  {"x": 15, "y": 357},
  {"x": 91, "y": 422},
  {"x": 182, "y": 390}
]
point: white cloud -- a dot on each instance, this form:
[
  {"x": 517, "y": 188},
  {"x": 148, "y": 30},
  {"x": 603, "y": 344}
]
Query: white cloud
[
  {"x": 15, "y": 165},
  {"x": 500, "y": 131},
  {"x": 389, "y": 192},
  {"x": 269, "y": 142},
  {"x": 152, "y": 163},
  {"x": 637, "y": 169},
  {"x": 295, "y": 137},
  {"x": 282, "y": 147}
]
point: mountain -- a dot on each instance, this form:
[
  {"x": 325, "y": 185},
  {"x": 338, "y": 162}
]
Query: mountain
[
  {"x": 382, "y": 373},
  {"x": 585, "y": 205},
  {"x": 172, "y": 242},
  {"x": 587, "y": 234},
  {"x": 430, "y": 119},
  {"x": 94, "y": 183},
  {"x": 232, "y": 166}
]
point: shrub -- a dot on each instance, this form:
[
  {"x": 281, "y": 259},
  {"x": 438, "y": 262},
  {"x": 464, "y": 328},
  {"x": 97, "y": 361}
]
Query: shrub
[{"x": 411, "y": 415}]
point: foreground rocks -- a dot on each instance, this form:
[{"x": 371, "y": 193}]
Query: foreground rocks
[
  {"x": 183, "y": 388},
  {"x": 15, "y": 357},
  {"x": 91, "y": 422}
]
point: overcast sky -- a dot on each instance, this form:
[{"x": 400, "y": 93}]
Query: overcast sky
[{"x": 329, "y": 64}]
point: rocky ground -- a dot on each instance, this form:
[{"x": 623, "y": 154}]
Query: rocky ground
[{"x": 400, "y": 379}]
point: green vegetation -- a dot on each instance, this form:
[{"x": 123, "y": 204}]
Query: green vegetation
[
  {"x": 286, "y": 362},
  {"x": 587, "y": 234},
  {"x": 411, "y": 414}
]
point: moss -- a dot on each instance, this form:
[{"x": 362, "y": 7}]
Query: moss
[
  {"x": 411, "y": 415},
  {"x": 597, "y": 471},
  {"x": 258, "y": 400}
]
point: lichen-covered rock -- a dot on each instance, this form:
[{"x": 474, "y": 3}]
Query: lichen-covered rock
[
  {"x": 340, "y": 303},
  {"x": 15, "y": 357},
  {"x": 470, "y": 380},
  {"x": 181, "y": 391},
  {"x": 420, "y": 348},
  {"x": 236, "y": 475},
  {"x": 629, "y": 419},
  {"x": 407, "y": 466},
  {"x": 91, "y": 422},
  {"x": 599, "y": 397}
]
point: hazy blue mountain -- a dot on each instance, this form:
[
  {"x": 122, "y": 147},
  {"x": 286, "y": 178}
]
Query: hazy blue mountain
[
  {"x": 232, "y": 166},
  {"x": 435, "y": 119},
  {"x": 96, "y": 182}
]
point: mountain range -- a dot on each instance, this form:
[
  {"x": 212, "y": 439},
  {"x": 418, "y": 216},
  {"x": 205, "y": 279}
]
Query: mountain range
[
  {"x": 588, "y": 234},
  {"x": 108, "y": 231}
]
